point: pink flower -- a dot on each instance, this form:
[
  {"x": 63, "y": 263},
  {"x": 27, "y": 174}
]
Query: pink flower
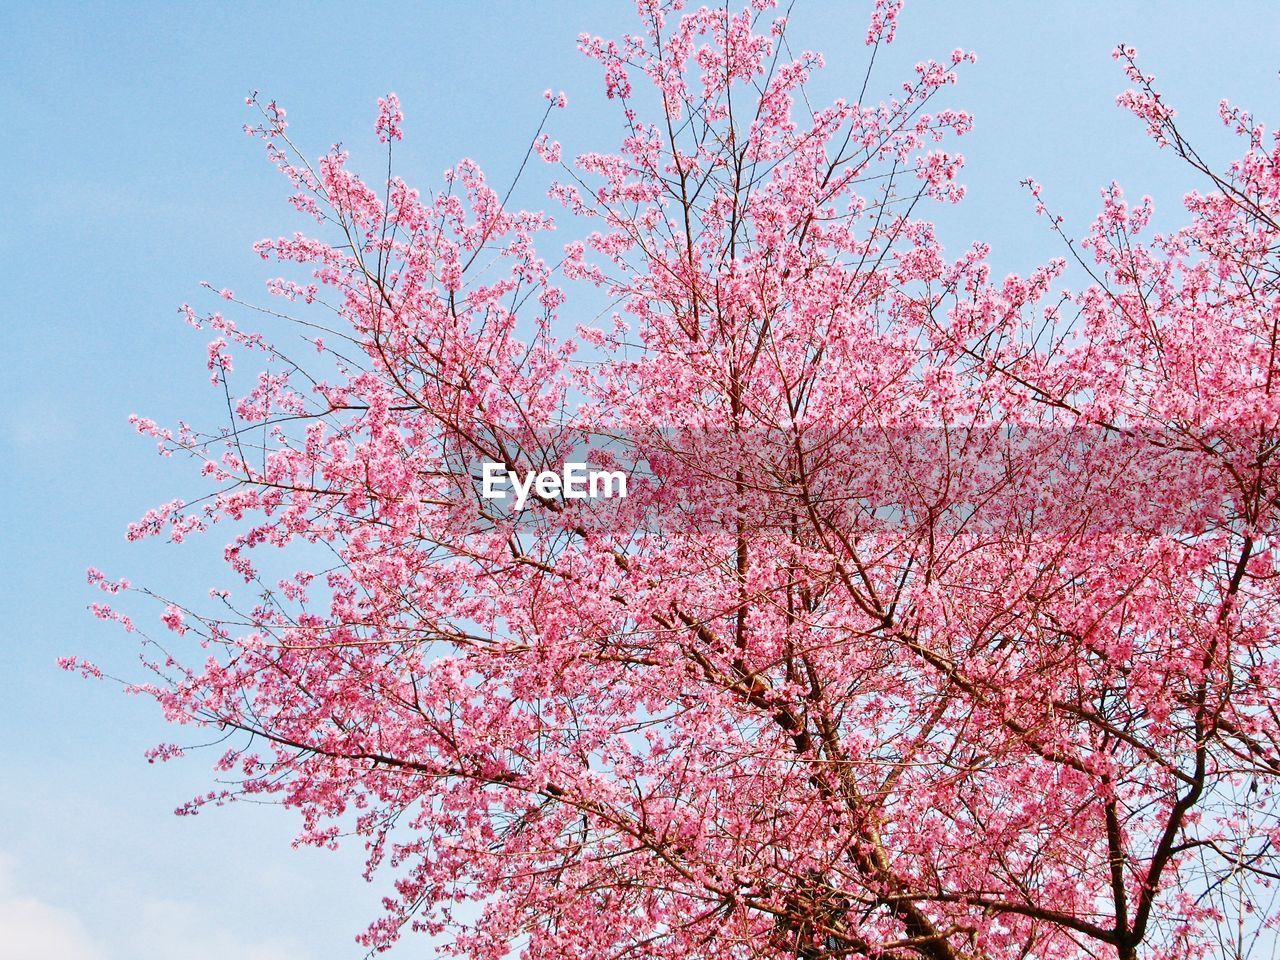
[{"x": 389, "y": 119}]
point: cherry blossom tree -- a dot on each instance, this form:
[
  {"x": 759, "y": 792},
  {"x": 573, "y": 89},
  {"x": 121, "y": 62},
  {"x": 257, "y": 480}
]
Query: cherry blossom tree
[{"x": 939, "y": 619}]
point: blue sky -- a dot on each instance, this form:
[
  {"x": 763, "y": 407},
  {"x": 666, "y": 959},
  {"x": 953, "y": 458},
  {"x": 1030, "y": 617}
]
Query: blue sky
[{"x": 126, "y": 181}]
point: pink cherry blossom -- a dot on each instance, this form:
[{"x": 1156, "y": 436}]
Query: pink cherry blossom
[{"x": 939, "y": 620}]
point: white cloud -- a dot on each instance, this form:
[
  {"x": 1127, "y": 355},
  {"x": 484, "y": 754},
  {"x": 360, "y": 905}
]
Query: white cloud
[
  {"x": 33, "y": 930},
  {"x": 160, "y": 924},
  {"x": 147, "y": 929}
]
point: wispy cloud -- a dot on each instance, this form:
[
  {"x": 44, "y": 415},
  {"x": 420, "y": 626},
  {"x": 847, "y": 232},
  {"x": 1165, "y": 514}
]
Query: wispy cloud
[
  {"x": 149, "y": 929},
  {"x": 31, "y": 929}
]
